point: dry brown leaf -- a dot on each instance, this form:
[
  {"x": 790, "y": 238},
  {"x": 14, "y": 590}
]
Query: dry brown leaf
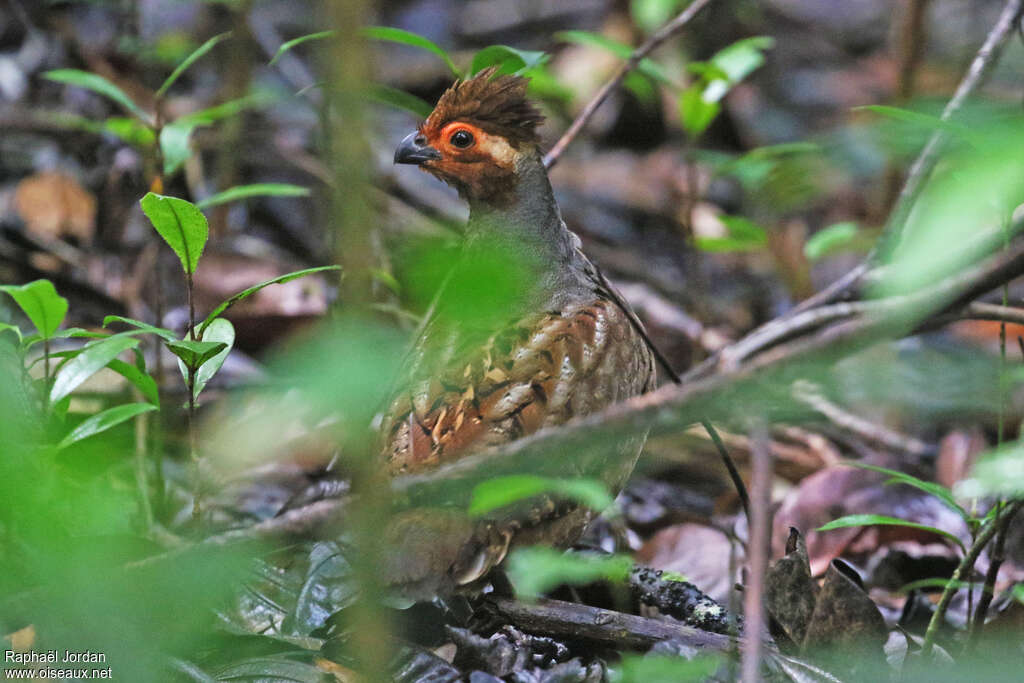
[{"x": 55, "y": 205}]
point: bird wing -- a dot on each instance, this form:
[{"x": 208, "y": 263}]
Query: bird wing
[{"x": 536, "y": 372}]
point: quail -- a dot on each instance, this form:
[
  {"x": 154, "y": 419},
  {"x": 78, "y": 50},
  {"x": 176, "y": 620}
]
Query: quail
[{"x": 562, "y": 343}]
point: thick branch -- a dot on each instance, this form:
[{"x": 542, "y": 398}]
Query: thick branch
[{"x": 602, "y": 627}]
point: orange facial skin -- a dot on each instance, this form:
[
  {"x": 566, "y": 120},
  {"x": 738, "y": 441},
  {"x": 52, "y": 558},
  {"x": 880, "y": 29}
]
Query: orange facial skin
[{"x": 480, "y": 165}]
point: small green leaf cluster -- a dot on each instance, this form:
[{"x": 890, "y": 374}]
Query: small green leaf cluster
[{"x": 168, "y": 143}]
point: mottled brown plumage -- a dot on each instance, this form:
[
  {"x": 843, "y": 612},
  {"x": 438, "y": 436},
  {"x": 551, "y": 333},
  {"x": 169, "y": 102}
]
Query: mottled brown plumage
[{"x": 565, "y": 345}]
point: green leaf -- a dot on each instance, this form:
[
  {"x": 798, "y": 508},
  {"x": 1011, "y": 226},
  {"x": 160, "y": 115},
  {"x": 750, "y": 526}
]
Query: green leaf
[
  {"x": 288, "y": 45},
  {"x": 138, "y": 377},
  {"x": 255, "y": 190},
  {"x": 132, "y": 131},
  {"x": 174, "y": 143},
  {"x": 738, "y": 61},
  {"x": 634, "y": 668},
  {"x": 397, "y": 35},
  {"x": 883, "y": 520},
  {"x": 695, "y": 112},
  {"x": 400, "y": 100},
  {"x": 830, "y": 240},
  {"x": 189, "y": 61},
  {"x": 87, "y": 363},
  {"x": 915, "y": 118},
  {"x": 163, "y": 333},
  {"x": 535, "y": 571},
  {"x": 246, "y": 293},
  {"x": 195, "y": 353},
  {"x": 219, "y": 330},
  {"x": 744, "y": 235},
  {"x": 998, "y": 472},
  {"x": 929, "y": 487},
  {"x": 102, "y": 421},
  {"x": 501, "y": 491},
  {"x": 647, "y": 66},
  {"x": 510, "y": 59},
  {"x": 649, "y": 15},
  {"x": 40, "y": 302},
  {"x": 181, "y": 224},
  {"x": 174, "y": 138},
  {"x": 5, "y": 327},
  {"x": 98, "y": 84}
]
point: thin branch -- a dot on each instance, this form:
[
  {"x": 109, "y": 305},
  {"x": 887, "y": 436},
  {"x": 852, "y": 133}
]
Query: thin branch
[
  {"x": 810, "y": 394},
  {"x": 954, "y": 582},
  {"x": 988, "y": 591},
  {"x": 760, "y": 542},
  {"x": 664, "y": 33},
  {"x": 982, "y": 65}
]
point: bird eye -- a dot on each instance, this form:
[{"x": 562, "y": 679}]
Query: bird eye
[{"x": 462, "y": 139}]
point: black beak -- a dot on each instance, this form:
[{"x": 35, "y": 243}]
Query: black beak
[{"x": 415, "y": 150}]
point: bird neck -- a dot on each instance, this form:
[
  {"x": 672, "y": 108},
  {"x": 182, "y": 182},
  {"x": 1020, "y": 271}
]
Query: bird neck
[{"x": 526, "y": 222}]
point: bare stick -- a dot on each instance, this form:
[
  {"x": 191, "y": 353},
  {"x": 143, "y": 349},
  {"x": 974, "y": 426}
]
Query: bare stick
[
  {"x": 602, "y": 627},
  {"x": 664, "y": 33},
  {"x": 760, "y": 539}
]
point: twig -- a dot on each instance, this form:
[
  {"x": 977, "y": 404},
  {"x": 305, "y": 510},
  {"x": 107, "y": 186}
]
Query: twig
[
  {"x": 988, "y": 591},
  {"x": 968, "y": 561},
  {"x": 664, "y": 33},
  {"x": 760, "y": 537},
  {"x": 810, "y": 394}
]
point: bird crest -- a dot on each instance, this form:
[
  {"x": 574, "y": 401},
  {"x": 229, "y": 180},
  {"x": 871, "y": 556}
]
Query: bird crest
[{"x": 495, "y": 104}]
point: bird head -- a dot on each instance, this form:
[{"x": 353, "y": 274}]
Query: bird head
[{"x": 477, "y": 137}]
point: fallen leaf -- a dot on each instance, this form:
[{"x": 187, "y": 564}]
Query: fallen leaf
[{"x": 55, "y": 205}]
